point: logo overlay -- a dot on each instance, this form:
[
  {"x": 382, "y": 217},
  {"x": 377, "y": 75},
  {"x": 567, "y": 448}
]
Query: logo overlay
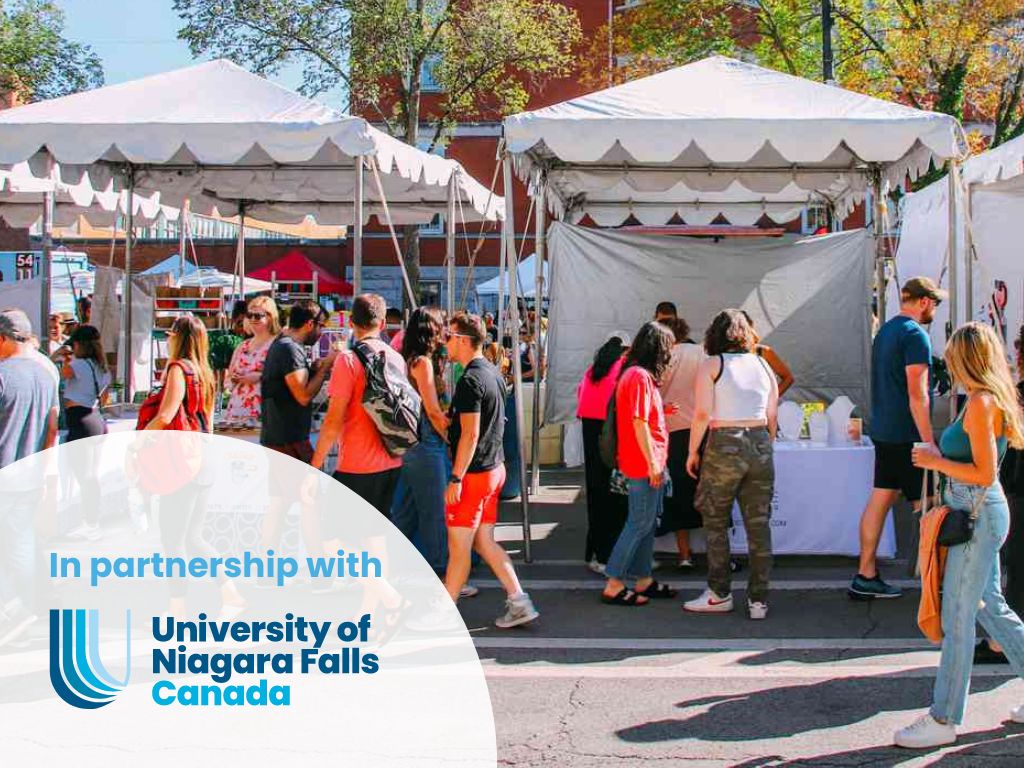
[{"x": 76, "y": 671}]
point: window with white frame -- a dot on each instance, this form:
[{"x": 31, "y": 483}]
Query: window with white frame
[
  {"x": 813, "y": 218},
  {"x": 428, "y": 80}
]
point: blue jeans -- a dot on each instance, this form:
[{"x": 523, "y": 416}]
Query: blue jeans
[
  {"x": 18, "y": 547},
  {"x": 634, "y": 549},
  {"x": 971, "y": 592},
  {"x": 418, "y": 508}
]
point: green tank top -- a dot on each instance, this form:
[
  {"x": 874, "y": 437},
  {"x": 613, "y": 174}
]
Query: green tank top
[{"x": 956, "y": 445}]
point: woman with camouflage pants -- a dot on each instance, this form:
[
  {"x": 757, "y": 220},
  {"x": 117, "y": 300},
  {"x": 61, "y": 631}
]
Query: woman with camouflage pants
[{"x": 737, "y": 400}]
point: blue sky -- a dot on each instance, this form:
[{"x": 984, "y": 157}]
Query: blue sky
[{"x": 135, "y": 38}]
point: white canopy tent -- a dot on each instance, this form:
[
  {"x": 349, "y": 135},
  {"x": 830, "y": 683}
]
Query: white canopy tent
[
  {"x": 527, "y": 280},
  {"x": 992, "y": 280},
  {"x": 716, "y": 136},
  {"x": 226, "y": 140}
]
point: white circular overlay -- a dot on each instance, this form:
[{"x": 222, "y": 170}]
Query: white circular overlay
[{"x": 192, "y": 608}]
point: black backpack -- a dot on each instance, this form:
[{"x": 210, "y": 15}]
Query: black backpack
[{"x": 390, "y": 400}]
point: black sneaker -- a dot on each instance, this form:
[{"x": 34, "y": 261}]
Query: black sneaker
[
  {"x": 863, "y": 588},
  {"x": 983, "y": 654}
]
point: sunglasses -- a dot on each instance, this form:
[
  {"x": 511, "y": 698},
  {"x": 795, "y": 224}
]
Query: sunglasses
[{"x": 256, "y": 315}]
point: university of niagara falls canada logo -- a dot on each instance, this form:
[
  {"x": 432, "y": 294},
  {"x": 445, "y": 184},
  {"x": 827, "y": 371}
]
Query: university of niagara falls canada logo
[{"x": 76, "y": 671}]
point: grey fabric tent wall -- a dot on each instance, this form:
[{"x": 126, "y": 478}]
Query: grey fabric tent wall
[{"x": 809, "y": 297}]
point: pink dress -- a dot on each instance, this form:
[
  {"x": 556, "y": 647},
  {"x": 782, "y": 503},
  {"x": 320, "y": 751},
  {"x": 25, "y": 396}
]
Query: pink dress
[{"x": 244, "y": 405}]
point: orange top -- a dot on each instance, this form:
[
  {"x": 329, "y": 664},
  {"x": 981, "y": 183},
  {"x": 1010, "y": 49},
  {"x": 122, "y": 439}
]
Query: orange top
[{"x": 932, "y": 560}]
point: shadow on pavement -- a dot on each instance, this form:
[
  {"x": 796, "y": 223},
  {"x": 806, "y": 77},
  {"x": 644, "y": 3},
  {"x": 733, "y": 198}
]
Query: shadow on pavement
[
  {"x": 997, "y": 748},
  {"x": 823, "y": 655},
  {"x": 793, "y": 710}
]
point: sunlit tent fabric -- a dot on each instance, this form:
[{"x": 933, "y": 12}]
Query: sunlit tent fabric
[
  {"x": 173, "y": 266},
  {"x": 527, "y": 280},
  {"x": 295, "y": 265},
  {"x": 210, "y": 277},
  {"x": 721, "y": 136},
  {"x": 996, "y": 182},
  {"x": 218, "y": 135}
]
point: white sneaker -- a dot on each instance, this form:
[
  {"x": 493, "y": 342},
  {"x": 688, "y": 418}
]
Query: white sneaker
[
  {"x": 438, "y": 618},
  {"x": 925, "y": 732},
  {"x": 85, "y": 532},
  {"x": 709, "y": 602},
  {"x": 518, "y": 611},
  {"x": 1017, "y": 715},
  {"x": 757, "y": 610},
  {"x": 468, "y": 590},
  {"x": 596, "y": 567}
]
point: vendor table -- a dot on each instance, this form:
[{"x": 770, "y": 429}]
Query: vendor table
[{"x": 820, "y": 492}]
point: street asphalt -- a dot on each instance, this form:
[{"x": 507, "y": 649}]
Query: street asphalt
[{"x": 824, "y": 681}]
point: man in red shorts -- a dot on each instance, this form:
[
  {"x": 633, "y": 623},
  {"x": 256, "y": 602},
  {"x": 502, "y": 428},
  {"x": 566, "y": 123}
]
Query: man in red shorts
[{"x": 478, "y": 470}]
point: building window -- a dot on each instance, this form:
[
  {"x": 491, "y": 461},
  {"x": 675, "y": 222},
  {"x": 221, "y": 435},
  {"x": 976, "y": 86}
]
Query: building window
[
  {"x": 430, "y": 293},
  {"x": 428, "y": 82},
  {"x": 813, "y": 218},
  {"x": 436, "y": 225}
]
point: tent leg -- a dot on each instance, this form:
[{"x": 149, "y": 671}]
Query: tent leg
[
  {"x": 878, "y": 227},
  {"x": 357, "y": 240},
  {"x": 126, "y": 292},
  {"x": 450, "y": 247},
  {"x": 540, "y": 243},
  {"x": 517, "y": 367},
  {"x": 968, "y": 256},
  {"x": 46, "y": 268},
  {"x": 241, "y": 251}
]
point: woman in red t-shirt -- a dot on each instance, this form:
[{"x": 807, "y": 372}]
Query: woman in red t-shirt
[{"x": 642, "y": 455}]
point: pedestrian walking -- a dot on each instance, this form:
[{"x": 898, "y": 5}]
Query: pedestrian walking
[
  {"x": 418, "y": 509},
  {"x": 901, "y": 357},
  {"x": 737, "y": 406},
  {"x": 246, "y": 368},
  {"x": 478, "y": 471},
  {"x": 28, "y": 425},
  {"x": 606, "y": 511},
  {"x": 968, "y": 457},
  {"x": 642, "y": 452}
]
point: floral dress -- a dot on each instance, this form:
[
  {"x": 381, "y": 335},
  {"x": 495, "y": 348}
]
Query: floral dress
[{"x": 244, "y": 405}]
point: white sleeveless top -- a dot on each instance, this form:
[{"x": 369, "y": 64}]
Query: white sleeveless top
[{"x": 742, "y": 389}]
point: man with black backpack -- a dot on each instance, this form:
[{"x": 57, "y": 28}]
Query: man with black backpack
[{"x": 370, "y": 445}]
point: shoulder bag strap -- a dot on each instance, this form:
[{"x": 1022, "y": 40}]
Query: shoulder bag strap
[{"x": 721, "y": 369}]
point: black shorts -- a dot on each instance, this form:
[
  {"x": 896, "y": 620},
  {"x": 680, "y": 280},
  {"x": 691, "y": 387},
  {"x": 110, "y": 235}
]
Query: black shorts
[
  {"x": 378, "y": 488},
  {"x": 895, "y": 471}
]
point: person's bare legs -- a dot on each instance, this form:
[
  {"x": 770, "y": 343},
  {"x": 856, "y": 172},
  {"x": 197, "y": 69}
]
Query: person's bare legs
[
  {"x": 872, "y": 521},
  {"x": 683, "y": 543},
  {"x": 460, "y": 550},
  {"x": 497, "y": 559}
]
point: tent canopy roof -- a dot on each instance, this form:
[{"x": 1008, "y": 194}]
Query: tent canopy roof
[
  {"x": 295, "y": 265},
  {"x": 527, "y": 279},
  {"x": 724, "y": 126},
  {"x": 219, "y": 135}
]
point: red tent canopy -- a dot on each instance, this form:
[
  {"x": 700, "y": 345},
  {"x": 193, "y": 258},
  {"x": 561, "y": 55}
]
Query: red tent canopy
[{"x": 295, "y": 265}]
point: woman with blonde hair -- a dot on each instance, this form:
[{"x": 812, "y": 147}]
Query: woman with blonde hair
[
  {"x": 246, "y": 368},
  {"x": 969, "y": 454},
  {"x": 188, "y": 385}
]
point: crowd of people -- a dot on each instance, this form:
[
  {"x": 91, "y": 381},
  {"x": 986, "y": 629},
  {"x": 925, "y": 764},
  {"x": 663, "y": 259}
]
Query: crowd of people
[{"x": 676, "y": 432}]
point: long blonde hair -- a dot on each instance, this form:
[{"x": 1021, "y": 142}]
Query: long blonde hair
[
  {"x": 977, "y": 362},
  {"x": 188, "y": 341},
  {"x": 269, "y": 306}
]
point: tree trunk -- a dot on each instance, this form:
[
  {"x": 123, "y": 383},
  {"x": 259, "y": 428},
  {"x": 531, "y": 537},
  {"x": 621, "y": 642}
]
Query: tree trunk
[
  {"x": 411, "y": 233},
  {"x": 950, "y": 98}
]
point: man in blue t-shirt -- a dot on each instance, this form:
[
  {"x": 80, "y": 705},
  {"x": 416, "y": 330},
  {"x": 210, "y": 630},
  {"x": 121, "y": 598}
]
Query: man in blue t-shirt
[{"x": 900, "y": 416}]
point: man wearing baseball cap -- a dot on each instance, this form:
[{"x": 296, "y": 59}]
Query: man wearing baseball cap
[
  {"x": 28, "y": 424},
  {"x": 900, "y": 416}
]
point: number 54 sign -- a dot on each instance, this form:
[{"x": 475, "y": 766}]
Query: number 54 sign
[{"x": 19, "y": 265}]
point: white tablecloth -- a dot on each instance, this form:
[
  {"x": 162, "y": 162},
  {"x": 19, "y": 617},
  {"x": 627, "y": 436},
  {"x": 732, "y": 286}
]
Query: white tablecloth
[{"x": 820, "y": 492}]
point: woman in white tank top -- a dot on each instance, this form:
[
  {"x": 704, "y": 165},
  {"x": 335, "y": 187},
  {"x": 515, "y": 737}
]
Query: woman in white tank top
[{"x": 737, "y": 405}]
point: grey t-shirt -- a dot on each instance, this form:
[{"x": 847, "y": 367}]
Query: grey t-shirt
[
  {"x": 87, "y": 384},
  {"x": 28, "y": 392}
]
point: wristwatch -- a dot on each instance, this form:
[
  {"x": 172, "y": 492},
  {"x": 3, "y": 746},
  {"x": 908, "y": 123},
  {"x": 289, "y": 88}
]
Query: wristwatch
[{"x": 454, "y": 479}]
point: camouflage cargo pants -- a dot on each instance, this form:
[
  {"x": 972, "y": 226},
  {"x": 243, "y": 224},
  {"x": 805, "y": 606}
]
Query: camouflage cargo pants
[{"x": 738, "y": 466}]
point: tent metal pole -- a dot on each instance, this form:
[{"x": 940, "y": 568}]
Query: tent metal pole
[
  {"x": 241, "y": 251},
  {"x": 449, "y": 245},
  {"x": 46, "y": 267},
  {"x": 517, "y": 365},
  {"x": 503, "y": 262},
  {"x": 539, "y": 245},
  {"x": 953, "y": 253},
  {"x": 878, "y": 227},
  {"x": 966, "y": 191},
  {"x": 357, "y": 240},
  {"x": 126, "y": 290},
  {"x": 182, "y": 238}
]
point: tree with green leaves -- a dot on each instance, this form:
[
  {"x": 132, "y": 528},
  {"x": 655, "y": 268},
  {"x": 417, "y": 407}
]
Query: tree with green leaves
[
  {"x": 485, "y": 56},
  {"x": 36, "y": 61}
]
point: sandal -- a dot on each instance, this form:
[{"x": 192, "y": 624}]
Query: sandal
[
  {"x": 656, "y": 591},
  {"x": 626, "y": 597}
]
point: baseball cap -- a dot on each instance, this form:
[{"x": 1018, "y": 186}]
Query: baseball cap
[
  {"x": 923, "y": 288},
  {"x": 14, "y": 324},
  {"x": 621, "y": 336}
]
